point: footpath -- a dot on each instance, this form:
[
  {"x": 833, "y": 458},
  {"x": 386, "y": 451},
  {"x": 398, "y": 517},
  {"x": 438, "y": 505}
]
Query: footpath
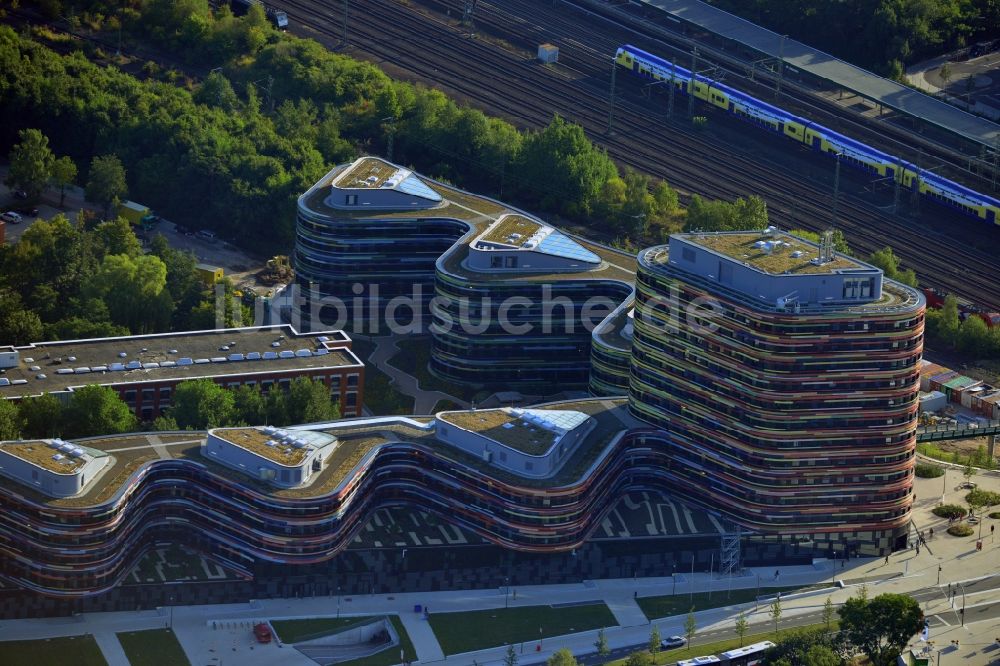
[{"x": 222, "y": 633}]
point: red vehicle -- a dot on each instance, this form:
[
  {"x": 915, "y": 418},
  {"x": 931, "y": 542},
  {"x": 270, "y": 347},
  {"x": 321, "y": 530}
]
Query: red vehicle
[{"x": 262, "y": 632}]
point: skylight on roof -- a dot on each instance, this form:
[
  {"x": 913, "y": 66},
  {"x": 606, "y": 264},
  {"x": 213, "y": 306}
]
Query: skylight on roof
[
  {"x": 412, "y": 185},
  {"x": 560, "y": 245}
]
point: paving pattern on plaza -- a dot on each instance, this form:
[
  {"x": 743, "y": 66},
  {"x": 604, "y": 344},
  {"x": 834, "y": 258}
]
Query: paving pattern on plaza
[{"x": 637, "y": 515}]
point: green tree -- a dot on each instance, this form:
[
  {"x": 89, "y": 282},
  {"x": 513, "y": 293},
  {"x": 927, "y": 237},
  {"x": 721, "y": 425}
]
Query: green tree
[
  {"x": 250, "y": 405},
  {"x": 828, "y": 613},
  {"x": 793, "y": 646},
  {"x": 63, "y": 174},
  {"x": 133, "y": 289},
  {"x": 11, "y": 422},
  {"x": 309, "y": 402},
  {"x": 510, "y": 657},
  {"x": 216, "y": 91},
  {"x": 562, "y": 657},
  {"x": 603, "y": 649},
  {"x": 97, "y": 410},
  {"x": 887, "y": 260},
  {"x": 18, "y": 325},
  {"x": 201, "y": 404},
  {"x": 164, "y": 423},
  {"x": 974, "y": 337},
  {"x": 945, "y": 73},
  {"x": 41, "y": 415},
  {"x": 690, "y": 626},
  {"x": 115, "y": 237},
  {"x": 106, "y": 184},
  {"x": 561, "y": 169},
  {"x": 654, "y": 640},
  {"x": 880, "y": 628},
  {"x": 820, "y": 655},
  {"x": 742, "y": 626},
  {"x": 30, "y": 162},
  {"x": 969, "y": 470},
  {"x": 640, "y": 659},
  {"x": 775, "y": 612}
]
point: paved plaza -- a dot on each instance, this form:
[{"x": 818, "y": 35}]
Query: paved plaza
[{"x": 222, "y": 633}]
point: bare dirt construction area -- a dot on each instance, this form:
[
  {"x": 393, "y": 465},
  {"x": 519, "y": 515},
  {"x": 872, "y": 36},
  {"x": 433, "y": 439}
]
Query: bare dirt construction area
[
  {"x": 239, "y": 266},
  {"x": 966, "y": 447}
]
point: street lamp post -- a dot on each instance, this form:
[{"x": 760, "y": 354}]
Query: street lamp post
[
  {"x": 338, "y": 602},
  {"x": 673, "y": 577},
  {"x": 963, "y": 604},
  {"x": 506, "y": 591},
  {"x": 939, "y": 574}
]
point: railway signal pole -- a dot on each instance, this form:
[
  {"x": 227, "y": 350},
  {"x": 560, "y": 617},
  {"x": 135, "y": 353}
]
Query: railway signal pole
[
  {"x": 781, "y": 65},
  {"x": 611, "y": 99},
  {"x": 836, "y": 190},
  {"x": 347, "y": 6},
  {"x": 694, "y": 80},
  {"x": 896, "y": 188},
  {"x": 670, "y": 99}
]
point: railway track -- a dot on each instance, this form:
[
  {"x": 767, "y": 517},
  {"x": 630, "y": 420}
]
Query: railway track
[
  {"x": 908, "y": 143},
  {"x": 432, "y": 50}
]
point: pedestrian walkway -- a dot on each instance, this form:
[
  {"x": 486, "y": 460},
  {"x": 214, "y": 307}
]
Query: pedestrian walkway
[
  {"x": 112, "y": 649},
  {"x": 423, "y": 638},
  {"x": 423, "y": 399}
]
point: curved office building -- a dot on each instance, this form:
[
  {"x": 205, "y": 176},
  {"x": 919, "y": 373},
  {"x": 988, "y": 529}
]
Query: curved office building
[
  {"x": 508, "y": 299},
  {"x": 785, "y": 378}
]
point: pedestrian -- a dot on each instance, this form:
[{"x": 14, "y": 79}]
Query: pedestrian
[
  {"x": 931, "y": 532},
  {"x": 918, "y": 549},
  {"x": 635, "y": 595},
  {"x": 887, "y": 559},
  {"x": 777, "y": 572}
]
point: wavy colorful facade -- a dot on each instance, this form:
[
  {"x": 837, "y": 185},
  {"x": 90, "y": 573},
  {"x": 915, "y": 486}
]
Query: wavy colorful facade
[
  {"x": 507, "y": 298},
  {"x": 795, "y": 413}
]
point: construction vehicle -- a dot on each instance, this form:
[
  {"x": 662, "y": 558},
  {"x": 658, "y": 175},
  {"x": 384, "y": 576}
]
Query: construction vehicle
[{"x": 278, "y": 270}]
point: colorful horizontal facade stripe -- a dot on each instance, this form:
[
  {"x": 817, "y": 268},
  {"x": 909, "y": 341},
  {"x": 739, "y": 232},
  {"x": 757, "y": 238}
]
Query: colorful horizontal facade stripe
[{"x": 784, "y": 420}]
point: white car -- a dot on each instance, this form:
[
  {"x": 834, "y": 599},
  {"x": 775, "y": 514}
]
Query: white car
[
  {"x": 673, "y": 642},
  {"x": 12, "y": 217}
]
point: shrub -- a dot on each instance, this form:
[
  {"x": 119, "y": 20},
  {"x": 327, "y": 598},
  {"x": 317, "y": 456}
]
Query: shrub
[
  {"x": 950, "y": 511},
  {"x": 995, "y": 515},
  {"x": 928, "y": 471},
  {"x": 962, "y": 530},
  {"x": 982, "y": 497}
]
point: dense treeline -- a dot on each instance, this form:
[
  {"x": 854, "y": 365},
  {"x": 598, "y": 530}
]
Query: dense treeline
[
  {"x": 198, "y": 404},
  {"x": 881, "y": 35},
  {"x": 233, "y": 154},
  {"x": 69, "y": 280}
]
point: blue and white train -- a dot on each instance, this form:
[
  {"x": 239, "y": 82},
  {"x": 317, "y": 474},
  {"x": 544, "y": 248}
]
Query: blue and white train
[{"x": 800, "y": 130}]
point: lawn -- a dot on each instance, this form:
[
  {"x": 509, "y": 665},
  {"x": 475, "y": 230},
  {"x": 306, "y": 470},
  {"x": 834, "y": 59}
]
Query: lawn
[
  {"x": 76, "y": 650},
  {"x": 476, "y": 630},
  {"x": 294, "y": 631},
  {"x": 153, "y": 647},
  {"x": 381, "y": 397},
  {"x": 699, "y": 649},
  {"x": 679, "y": 604}
]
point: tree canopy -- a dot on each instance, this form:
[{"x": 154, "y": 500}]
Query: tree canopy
[
  {"x": 97, "y": 410},
  {"x": 880, "y": 627},
  {"x": 30, "y": 162}
]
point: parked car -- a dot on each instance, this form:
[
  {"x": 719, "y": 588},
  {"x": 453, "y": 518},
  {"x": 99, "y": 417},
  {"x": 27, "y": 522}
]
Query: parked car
[
  {"x": 20, "y": 194},
  {"x": 206, "y": 235},
  {"x": 11, "y": 217},
  {"x": 29, "y": 211},
  {"x": 673, "y": 642}
]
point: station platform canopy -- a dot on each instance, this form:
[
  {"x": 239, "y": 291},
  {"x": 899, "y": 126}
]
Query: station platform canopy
[{"x": 823, "y": 65}]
